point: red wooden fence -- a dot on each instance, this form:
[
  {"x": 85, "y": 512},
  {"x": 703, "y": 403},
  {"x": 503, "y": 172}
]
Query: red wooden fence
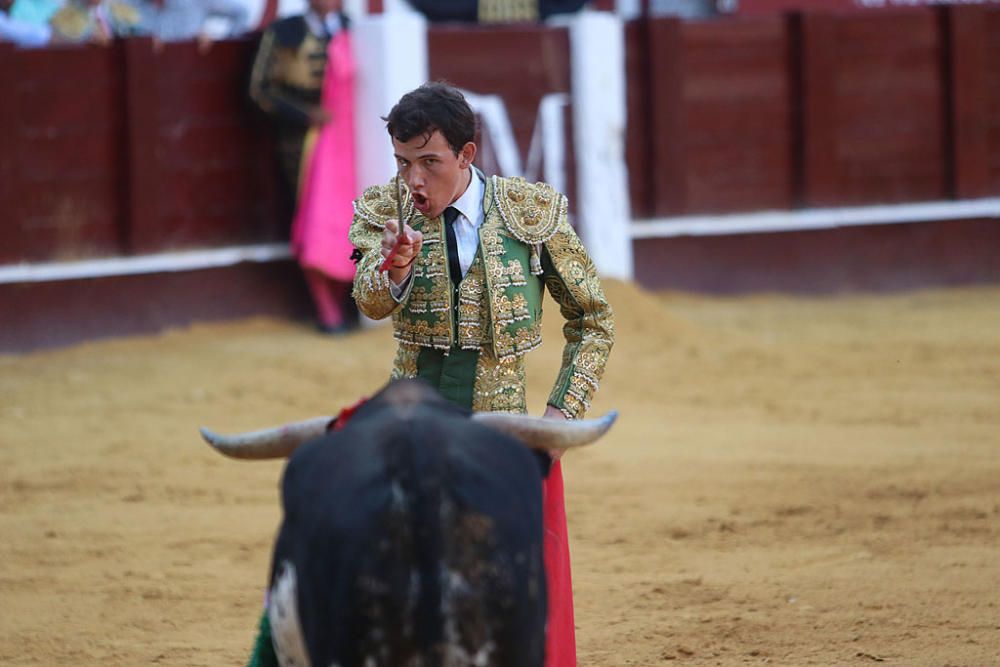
[
  {"x": 120, "y": 150},
  {"x": 112, "y": 151},
  {"x": 974, "y": 34},
  {"x": 875, "y": 108},
  {"x": 721, "y": 127},
  {"x": 62, "y": 162},
  {"x": 202, "y": 164},
  {"x": 814, "y": 110}
]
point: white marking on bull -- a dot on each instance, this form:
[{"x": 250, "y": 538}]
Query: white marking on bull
[
  {"x": 283, "y": 614},
  {"x": 454, "y": 585}
]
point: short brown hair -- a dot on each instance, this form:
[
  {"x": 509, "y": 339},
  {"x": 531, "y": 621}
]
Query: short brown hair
[{"x": 433, "y": 106}]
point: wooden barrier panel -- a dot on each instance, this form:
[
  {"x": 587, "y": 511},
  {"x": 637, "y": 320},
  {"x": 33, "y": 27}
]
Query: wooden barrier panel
[
  {"x": 61, "y": 312},
  {"x": 666, "y": 117},
  {"x": 202, "y": 164},
  {"x": 10, "y": 233},
  {"x": 875, "y": 113},
  {"x": 520, "y": 63},
  {"x": 107, "y": 151},
  {"x": 824, "y": 261},
  {"x": 975, "y": 77},
  {"x": 721, "y": 115},
  {"x": 62, "y": 157},
  {"x": 638, "y": 144}
]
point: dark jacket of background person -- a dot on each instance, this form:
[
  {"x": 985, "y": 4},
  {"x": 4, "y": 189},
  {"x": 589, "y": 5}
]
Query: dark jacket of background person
[{"x": 286, "y": 83}]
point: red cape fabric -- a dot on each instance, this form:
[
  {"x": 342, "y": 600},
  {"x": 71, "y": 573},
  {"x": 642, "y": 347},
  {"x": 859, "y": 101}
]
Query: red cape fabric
[
  {"x": 325, "y": 207},
  {"x": 560, "y": 639}
]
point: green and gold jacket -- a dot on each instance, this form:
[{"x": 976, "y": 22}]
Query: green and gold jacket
[{"x": 525, "y": 243}]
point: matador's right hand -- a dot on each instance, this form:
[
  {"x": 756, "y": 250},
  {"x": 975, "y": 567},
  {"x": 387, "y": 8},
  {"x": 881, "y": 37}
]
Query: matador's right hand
[{"x": 406, "y": 245}]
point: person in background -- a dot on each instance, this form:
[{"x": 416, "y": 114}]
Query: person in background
[
  {"x": 181, "y": 20},
  {"x": 22, "y": 32},
  {"x": 495, "y": 11},
  {"x": 99, "y": 21},
  {"x": 303, "y": 78},
  {"x": 38, "y": 12}
]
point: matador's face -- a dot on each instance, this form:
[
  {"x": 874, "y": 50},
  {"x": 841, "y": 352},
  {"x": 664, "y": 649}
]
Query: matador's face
[{"x": 435, "y": 175}]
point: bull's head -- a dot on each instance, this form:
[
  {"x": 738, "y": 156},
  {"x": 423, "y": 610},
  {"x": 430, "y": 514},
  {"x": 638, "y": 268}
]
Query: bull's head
[{"x": 535, "y": 432}]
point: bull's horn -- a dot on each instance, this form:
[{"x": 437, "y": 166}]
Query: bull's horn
[
  {"x": 270, "y": 443},
  {"x": 542, "y": 433}
]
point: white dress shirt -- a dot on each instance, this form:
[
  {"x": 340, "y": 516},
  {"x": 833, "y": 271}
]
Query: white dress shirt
[{"x": 466, "y": 225}]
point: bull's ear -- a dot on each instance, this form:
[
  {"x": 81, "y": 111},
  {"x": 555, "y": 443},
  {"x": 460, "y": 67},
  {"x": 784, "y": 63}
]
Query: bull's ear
[
  {"x": 271, "y": 443},
  {"x": 541, "y": 433}
]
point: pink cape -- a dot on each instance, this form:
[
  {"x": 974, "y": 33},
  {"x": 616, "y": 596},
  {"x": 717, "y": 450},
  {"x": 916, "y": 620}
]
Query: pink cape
[
  {"x": 325, "y": 209},
  {"x": 560, "y": 638}
]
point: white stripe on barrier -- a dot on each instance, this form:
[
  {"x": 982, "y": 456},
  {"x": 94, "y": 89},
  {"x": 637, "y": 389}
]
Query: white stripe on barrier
[
  {"x": 691, "y": 225},
  {"x": 815, "y": 218},
  {"x": 140, "y": 264}
]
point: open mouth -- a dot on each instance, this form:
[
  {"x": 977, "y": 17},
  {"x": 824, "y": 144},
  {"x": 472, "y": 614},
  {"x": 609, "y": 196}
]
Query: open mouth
[{"x": 419, "y": 202}]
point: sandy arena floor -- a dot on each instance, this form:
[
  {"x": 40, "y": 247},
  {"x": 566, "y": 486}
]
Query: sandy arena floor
[{"x": 792, "y": 481}]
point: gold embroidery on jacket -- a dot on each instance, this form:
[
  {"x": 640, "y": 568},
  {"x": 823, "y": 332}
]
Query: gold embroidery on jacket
[
  {"x": 421, "y": 302},
  {"x": 431, "y": 261},
  {"x": 371, "y": 286},
  {"x": 512, "y": 310},
  {"x": 420, "y": 332},
  {"x": 512, "y": 346},
  {"x": 472, "y": 314},
  {"x": 427, "y": 320},
  {"x": 589, "y": 329},
  {"x": 507, "y": 11},
  {"x": 499, "y": 385},
  {"x": 531, "y": 212},
  {"x": 511, "y": 326},
  {"x": 405, "y": 365},
  {"x": 509, "y": 275},
  {"x": 378, "y": 204},
  {"x": 494, "y": 308}
]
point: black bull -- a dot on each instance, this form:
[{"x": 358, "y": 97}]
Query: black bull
[{"x": 411, "y": 537}]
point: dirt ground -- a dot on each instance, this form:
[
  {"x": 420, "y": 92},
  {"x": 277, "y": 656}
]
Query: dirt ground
[{"x": 791, "y": 481}]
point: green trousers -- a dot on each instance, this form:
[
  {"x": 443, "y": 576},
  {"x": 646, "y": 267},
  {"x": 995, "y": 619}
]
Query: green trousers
[
  {"x": 263, "y": 649},
  {"x": 453, "y": 374}
]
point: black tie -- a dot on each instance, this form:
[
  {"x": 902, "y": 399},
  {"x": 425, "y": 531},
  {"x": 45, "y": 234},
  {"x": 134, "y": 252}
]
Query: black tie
[{"x": 454, "y": 265}]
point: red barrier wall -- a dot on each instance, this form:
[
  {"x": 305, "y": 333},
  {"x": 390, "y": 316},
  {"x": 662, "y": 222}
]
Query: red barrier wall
[
  {"x": 974, "y": 34},
  {"x": 867, "y": 258},
  {"x": 125, "y": 150},
  {"x": 202, "y": 163},
  {"x": 120, "y": 150},
  {"x": 62, "y": 163},
  {"x": 721, "y": 115},
  {"x": 831, "y": 109},
  {"x": 874, "y": 106},
  {"x": 638, "y": 129}
]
